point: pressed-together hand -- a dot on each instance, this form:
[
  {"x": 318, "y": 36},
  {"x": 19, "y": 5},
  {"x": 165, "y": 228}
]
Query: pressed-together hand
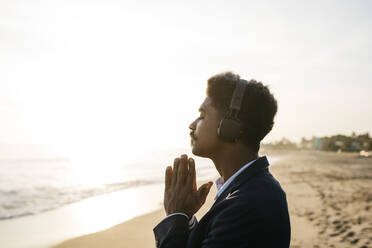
[{"x": 181, "y": 195}]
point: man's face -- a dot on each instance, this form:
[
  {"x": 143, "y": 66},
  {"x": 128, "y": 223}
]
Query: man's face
[{"x": 204, "y": 140}]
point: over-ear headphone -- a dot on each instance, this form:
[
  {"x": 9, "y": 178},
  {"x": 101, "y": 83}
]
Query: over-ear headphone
[{"x": 230, "y": 128}]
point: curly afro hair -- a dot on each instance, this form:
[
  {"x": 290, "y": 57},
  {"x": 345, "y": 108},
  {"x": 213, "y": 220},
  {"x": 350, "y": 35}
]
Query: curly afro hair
[{"x": 258, "y": 106}]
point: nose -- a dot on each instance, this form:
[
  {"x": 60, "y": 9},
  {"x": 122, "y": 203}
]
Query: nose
[{"x": 193, "y": 125}]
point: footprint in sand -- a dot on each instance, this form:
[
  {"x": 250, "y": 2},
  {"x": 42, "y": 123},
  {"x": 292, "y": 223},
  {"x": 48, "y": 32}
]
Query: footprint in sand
[
  {"x": 359, "y": 221},
  {"x": 354, "y": 241},
  {"x": 344, "y": 229},
  {"x": 336, "y": 222},
  {"x": 338, "y": 227}
]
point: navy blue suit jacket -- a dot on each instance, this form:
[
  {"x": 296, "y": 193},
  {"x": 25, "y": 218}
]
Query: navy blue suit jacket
[{"x": 251, "y": 212}]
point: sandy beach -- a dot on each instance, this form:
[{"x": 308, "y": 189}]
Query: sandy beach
[
  {"x": 127, "y": 234},
  {"x": 329, "y": 200}
]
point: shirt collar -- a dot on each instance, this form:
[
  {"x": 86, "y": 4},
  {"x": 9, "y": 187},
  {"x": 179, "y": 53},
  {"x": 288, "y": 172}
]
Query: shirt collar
[{"x": 222, "y": 186}]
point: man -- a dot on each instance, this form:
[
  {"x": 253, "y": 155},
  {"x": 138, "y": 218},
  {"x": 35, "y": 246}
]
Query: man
[{"x": 250, "y": 208}]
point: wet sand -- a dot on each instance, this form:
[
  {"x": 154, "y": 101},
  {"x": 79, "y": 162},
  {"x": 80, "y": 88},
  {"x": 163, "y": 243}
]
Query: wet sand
[
  {"x": 329, "y": 197},
  {"x": 133, "y": 233}
]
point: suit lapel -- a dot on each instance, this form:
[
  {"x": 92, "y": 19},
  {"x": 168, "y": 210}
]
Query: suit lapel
[{"x": 258, "y": 166}]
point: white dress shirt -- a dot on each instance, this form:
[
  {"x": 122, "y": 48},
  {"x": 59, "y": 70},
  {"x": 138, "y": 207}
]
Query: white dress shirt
[{"x": 220, "y": 187}]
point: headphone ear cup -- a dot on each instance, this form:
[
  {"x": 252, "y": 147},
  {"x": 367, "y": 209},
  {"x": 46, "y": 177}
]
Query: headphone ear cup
[{"x": 229, "y": 130}]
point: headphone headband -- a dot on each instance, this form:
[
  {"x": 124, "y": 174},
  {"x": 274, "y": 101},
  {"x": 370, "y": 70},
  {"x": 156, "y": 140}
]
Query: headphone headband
[{"x": 238, "y": 94}]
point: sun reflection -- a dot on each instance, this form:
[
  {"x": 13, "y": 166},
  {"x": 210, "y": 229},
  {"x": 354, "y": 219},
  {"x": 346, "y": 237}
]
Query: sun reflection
[
  {"x": 93, "y": 165},
  {"x": 94, "y": 173},
  {"x": 101, "y": 212}
]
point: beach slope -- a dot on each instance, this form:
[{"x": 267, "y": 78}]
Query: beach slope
[
  {"x": 136, "y": 232},
  {"x": 329, "y": 197}
]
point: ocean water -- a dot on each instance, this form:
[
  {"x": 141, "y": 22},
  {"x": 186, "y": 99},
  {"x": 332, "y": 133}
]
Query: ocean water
[{"x": 35, "y": 179}]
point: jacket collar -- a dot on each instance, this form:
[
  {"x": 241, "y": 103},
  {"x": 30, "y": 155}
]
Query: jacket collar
[{"x": 258, "y": 166}]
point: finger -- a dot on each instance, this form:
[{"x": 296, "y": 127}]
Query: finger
[
  {"x": 168, "y": 177},
  {"x": 203, "y": 192},
  {"x": 182, "y": 170},
  {"x": 175, "y": 171},
  {"x": 191, "y": 179}
]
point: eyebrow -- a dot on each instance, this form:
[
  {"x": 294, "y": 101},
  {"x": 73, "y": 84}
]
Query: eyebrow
[{"x": 201, "y": 109}]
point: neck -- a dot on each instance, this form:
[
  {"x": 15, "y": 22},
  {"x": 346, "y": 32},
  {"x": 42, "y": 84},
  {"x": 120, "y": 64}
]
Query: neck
[{"x": 231, "y": 158}]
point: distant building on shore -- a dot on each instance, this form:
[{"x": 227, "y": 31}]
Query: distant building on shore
[{"x": 353, "y": 143}]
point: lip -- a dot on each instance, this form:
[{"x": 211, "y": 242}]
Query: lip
[{"x": 192, "y": 136}]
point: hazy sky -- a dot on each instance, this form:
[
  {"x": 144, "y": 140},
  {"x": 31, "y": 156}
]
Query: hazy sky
[{"x": 133, "y": 73}]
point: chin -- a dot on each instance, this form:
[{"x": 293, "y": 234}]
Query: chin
[
  {"x": 198, "y": 152},
  {"x": 194, "y": 151}
]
